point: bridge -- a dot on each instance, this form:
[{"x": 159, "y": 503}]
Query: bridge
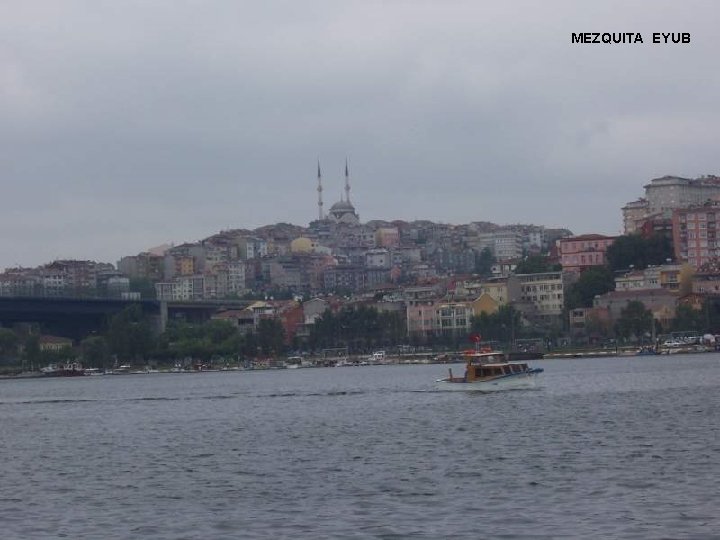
[{"x": 78, "y": 317}]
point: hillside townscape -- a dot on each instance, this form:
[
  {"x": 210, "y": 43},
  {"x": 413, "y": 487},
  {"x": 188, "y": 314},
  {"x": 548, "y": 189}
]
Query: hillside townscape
[{"x": 341, "y": 283}]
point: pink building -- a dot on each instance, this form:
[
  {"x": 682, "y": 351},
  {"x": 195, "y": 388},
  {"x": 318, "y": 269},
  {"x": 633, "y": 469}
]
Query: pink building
[
  {"x": 695, "y": 234},
  {"x": 578, "y": 253}
]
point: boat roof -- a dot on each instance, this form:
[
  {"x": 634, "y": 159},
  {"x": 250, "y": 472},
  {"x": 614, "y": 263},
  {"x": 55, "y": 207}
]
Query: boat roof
[{"x": 500, "y": 364}]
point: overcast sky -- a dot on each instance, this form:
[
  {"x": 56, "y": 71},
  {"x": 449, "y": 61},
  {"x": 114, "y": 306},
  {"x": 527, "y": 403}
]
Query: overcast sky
[{"x": 124, "y": 125}]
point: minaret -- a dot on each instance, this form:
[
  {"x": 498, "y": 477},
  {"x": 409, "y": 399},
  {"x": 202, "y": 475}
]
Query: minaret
[
  {"x": 347, "y": 182},
  {"x": 319, "y": 190}
]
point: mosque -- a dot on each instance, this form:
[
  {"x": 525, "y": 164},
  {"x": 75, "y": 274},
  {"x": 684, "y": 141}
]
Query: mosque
[{"x": 342, "y": 212}]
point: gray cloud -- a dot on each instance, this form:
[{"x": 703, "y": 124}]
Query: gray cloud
[{"x": 127, "y": 124}]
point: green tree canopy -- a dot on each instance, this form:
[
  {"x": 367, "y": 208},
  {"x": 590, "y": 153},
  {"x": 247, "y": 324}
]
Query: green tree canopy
[
  {"x": 689, "y": 319},
  {"x": 144, "y": 286},
  {"x": 359, "y": 328},
  {"x": 484, "y": 261},
  {"x": 31, "y": 350},
  {"x": 203, "y": 341},
  {"x": 129, "y": 335},
  {"x": 592, "y": 282},
  {"x": 95, "y": 352},
  {"x": 536, "y": 264},
  {"x": 638, "y": 252},
  {"x": 8, "y": 343},
  {"x": 271, "y": 337},
  {"x": 503, "y": 325},
  {"x": 635, "y": 320}
]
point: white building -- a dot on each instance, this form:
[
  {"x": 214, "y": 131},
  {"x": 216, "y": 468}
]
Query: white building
[
  {"x": 508, "y": 245},
  {"x": 670, "y": 192},
  {"x": 378, "y": 258}
]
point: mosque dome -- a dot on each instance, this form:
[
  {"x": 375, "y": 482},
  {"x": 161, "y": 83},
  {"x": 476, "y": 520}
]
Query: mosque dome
[
  {"x": 342, "y": 206},
  {"x": 343, "y": 212}
]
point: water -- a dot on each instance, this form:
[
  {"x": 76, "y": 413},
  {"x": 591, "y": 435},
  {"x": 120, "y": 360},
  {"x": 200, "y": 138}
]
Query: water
[{"x": 610, "y": 448}]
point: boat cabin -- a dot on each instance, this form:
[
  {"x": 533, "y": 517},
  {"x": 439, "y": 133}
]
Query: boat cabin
[{"x": 474, "y": 372}]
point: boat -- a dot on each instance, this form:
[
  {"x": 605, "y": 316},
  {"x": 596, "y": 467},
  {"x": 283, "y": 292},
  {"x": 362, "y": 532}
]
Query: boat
[
  {"x": 66, "y": 369},
  {"x": 516, "y": 356},
  {"x": 488, "y": 371},
  {"x": 122, "y": 370}
]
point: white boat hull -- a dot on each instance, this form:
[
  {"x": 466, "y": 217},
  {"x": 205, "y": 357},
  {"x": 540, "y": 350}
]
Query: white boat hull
[{"x": 518, "y": 381}]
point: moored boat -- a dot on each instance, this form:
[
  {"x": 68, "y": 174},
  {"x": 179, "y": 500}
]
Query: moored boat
[
  {"x": 66, "y": 369},
  {"x": 489, "y": 371}
]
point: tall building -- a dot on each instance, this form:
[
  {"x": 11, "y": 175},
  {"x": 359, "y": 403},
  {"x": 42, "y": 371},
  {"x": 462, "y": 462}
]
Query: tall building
[
  {"x": 508, "y": 244},
  {"x": 670, "y": 192},
  {"x": 695, "y": 237},
  {"x": 633, "y": 213},
  {"x": 665, "y": 194}
]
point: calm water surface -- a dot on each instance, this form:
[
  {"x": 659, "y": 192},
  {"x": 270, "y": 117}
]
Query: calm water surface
[{"x": 611, "y": 448}]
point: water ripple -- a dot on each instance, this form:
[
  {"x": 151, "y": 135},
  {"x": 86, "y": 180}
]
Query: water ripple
[{"x": 607, "y": 449}]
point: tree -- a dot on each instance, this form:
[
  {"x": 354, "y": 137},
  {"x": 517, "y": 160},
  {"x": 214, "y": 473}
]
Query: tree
[
  {"x": 635, "y": 320},
  {"x": 358, "y": 328},
  {"x": 686, "y": 277},
  {"x": 484, "y": 262},
  {"x": 144, "y": 286},
  {"x": 535, "y": 264},
  {"x": 201, "y": 341},
  {"x": 31, "y": 351},
  {"x": 592, "y": 282},
  {"x": 271, "y": 336},
  {"x": 95, "y": 352},
  {"x": 638, "y": 252},
  {"x": 503, "y": 325},
  {"x": 129, "y": 335},
  {"x": 8, "y": 343},
  {"x": 688, "y": 319}
]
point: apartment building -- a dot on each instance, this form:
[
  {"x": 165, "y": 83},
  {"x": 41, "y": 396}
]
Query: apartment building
[
  {"x": 668, "y": 193},
  {"x": 671, "y": 192},
  {"x": 545, "y": 291},
  {"x": 144, "y": 266},
  {"x": 508, "y": 244},
  {"x": 578, "y": 253},
  {"x": 695, "y": 237},
  {"x": 633, "y": 214},
  {"x": 653, "y": 277}
]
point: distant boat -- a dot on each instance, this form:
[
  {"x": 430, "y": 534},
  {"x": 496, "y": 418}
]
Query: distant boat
[
  {"x": 489, "y": 371},
  {"x": 516, "y": 356},
  {"x": 122, "y": 370},
  {"x": 66, "y": 369}
]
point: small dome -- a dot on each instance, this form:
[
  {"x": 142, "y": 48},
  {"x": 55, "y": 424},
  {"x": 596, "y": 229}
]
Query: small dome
[{"x": 342, "y": 206}]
